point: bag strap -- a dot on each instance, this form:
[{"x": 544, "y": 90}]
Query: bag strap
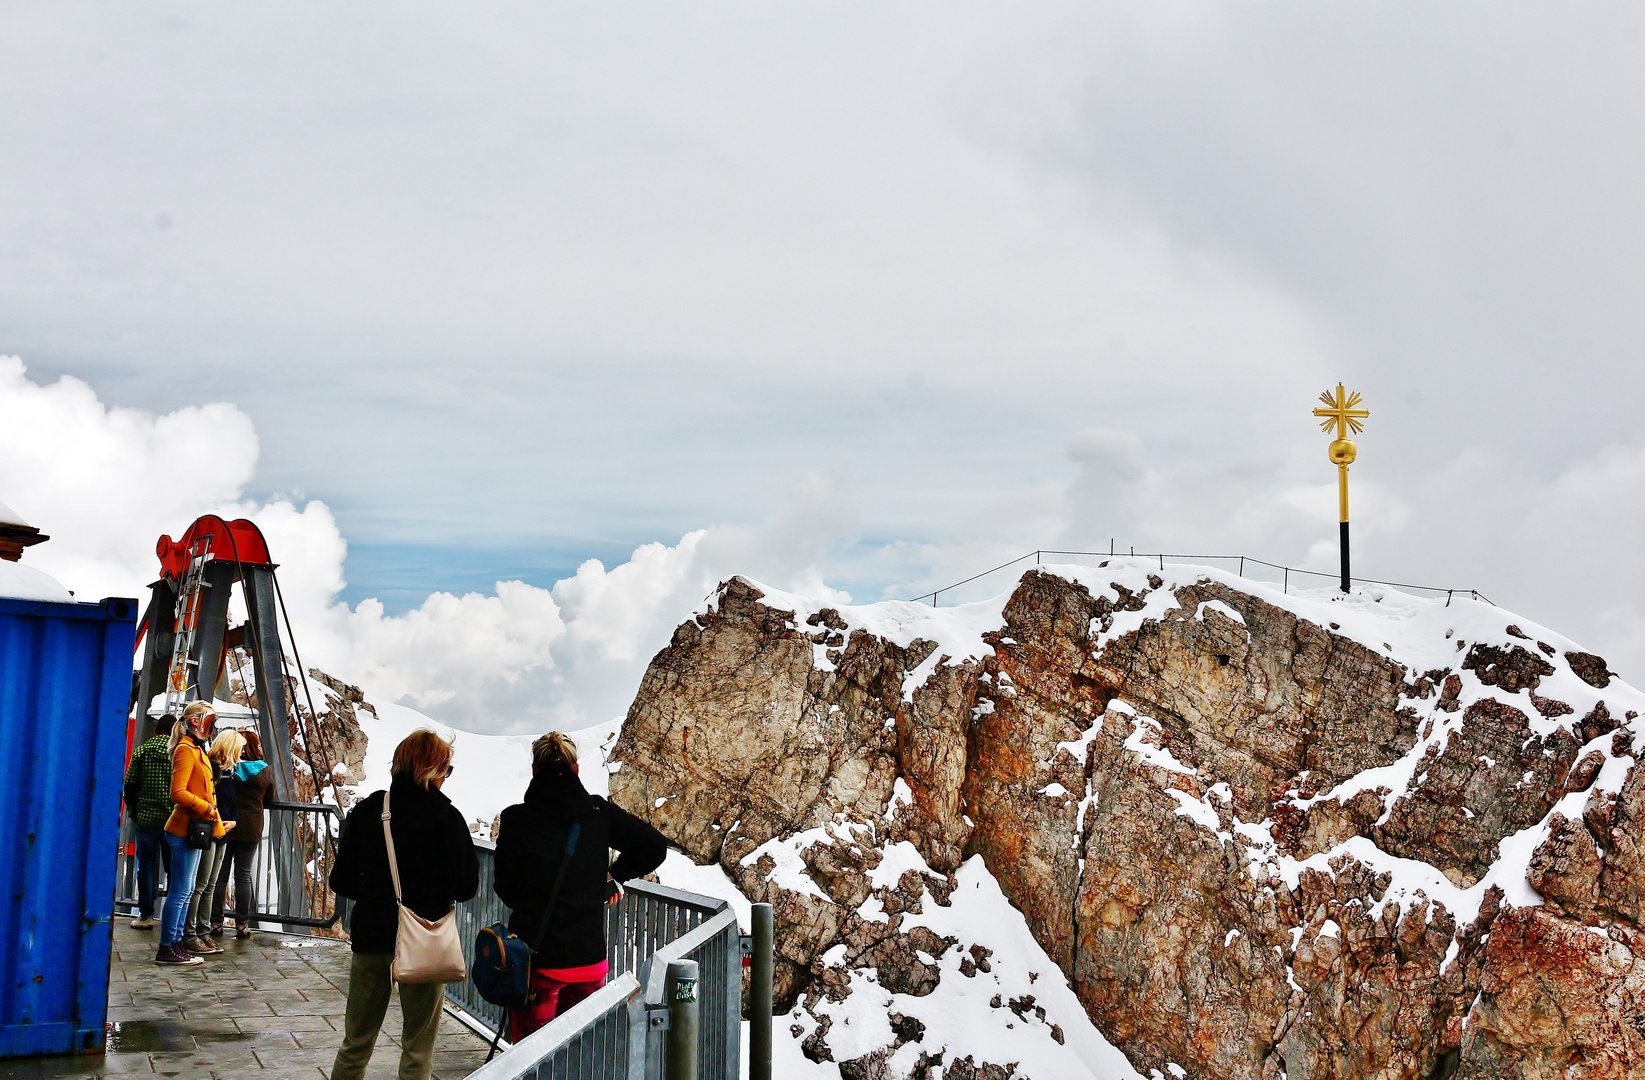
[
  {"x": 388, "y": 839},
  {"x": 559, "y": 880}
]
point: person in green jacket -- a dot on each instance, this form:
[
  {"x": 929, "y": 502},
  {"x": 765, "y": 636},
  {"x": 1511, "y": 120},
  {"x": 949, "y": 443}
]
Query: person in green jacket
[{"x": 148, "y": 803}]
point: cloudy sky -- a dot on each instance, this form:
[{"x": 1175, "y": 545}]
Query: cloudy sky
[{"x": 862, "y": 297}]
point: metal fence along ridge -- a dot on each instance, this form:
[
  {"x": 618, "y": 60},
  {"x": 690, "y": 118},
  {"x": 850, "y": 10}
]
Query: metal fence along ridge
[{"x": 1242, "y": 560}]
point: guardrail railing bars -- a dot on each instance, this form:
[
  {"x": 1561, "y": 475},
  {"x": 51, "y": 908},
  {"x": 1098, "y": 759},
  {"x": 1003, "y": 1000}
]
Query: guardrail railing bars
[
  {"x": 1286, "y": 571},
  {"x": 625, "y": 1038},
  {"x": 290, "y": 871},
  {"x": 618, "y": 1033}
]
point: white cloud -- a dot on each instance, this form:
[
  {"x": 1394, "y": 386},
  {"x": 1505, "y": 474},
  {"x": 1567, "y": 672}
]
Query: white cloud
[
  {"x": 611, "y": 612},
  {"x": 438, "y": 657},
  {"x": 105, "y": 483}
]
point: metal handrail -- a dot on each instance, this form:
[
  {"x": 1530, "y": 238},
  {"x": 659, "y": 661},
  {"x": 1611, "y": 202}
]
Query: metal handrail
[
  {"x": 714, "y": 945},
  {"x": 617, "y": 1033},
  {"x": 623, "y": 1037},
  {"x": 290, "y": 870},
  {"x": 649, "y": 917},
  {"x": 596, "y": 1033}
]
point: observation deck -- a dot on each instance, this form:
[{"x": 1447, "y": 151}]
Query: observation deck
[{"x": 270, "y": 1006}]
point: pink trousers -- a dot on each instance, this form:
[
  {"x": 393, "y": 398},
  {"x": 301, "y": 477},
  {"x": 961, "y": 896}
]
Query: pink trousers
[{"x": 553, "y": 991}]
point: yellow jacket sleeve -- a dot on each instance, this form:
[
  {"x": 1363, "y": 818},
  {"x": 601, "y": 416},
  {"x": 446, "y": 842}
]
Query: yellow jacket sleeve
[{"x": 183, "y": 764}]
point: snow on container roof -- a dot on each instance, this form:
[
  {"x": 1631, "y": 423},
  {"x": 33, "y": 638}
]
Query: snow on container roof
[
  {"x": 26, "y": 583},
  {"x": 8, "y": 516}
]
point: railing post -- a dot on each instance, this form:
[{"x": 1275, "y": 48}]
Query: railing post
[
  {"x": 680, "y": 992},
  {"x": 762, "y": 926}
]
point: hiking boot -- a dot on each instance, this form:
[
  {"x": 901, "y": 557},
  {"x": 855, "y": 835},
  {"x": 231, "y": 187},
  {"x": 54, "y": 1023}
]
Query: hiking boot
[
  {"x": 170, "y": 954},
  {"x": 141, "y": 923},
  {"x": 201, "y": 947}
]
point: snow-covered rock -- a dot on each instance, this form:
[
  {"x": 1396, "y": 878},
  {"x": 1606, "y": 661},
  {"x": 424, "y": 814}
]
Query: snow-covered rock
[{"x": 1229, "y": 831}]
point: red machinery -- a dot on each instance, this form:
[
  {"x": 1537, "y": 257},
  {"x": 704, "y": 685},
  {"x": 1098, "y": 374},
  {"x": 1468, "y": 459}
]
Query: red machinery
[{"x": 186, "y": 637}]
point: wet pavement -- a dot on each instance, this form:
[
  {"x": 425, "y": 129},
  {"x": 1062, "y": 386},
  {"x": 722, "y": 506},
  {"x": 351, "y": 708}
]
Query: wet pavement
[{"x": 263, "y": 1008}]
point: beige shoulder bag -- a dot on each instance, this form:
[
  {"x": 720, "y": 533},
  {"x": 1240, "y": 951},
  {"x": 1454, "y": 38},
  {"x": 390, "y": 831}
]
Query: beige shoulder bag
[{"x": 424, "y": 952}]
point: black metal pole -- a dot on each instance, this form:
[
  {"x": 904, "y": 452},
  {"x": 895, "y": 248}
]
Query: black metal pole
[
  {"x": 763, "y": 925},
  {"x": 1343, "y": 536}
]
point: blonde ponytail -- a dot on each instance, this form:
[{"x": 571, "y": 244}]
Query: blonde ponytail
[{"x": 551, "y": 749}]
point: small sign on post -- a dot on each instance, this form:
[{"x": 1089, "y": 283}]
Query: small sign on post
[{"x": 680, "y": 991}]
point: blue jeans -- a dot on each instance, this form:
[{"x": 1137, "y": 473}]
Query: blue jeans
[
  {"x": 151, "y": 852},
  {"x": 185, "y": 861}
]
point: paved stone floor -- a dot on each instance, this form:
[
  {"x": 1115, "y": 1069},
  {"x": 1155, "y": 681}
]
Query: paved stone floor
[{"x": 262, "y": 1008}]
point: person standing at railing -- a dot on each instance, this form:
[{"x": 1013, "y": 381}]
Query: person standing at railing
[
  {"x": 438, "y": 868},
  {"x": 199, "y": 933},
  {"x": 252, "y": 781},
  {"x": 148, "y": 804},
  {"x": 193, "y": 819},
  {"x": 569, "y": 960}
]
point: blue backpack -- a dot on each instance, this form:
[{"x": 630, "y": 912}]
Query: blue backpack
[{"x": 502, "y": 961}]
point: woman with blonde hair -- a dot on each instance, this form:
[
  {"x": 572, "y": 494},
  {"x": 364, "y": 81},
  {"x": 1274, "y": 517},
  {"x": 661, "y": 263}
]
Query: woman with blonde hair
[
  {"x": 197, "y": 926},
  {"x": 568, "y": 947},
  {"x": 195, "y": 796},
  {"x": 252, "y": 782},
  {"x": 438, "y": 868}
]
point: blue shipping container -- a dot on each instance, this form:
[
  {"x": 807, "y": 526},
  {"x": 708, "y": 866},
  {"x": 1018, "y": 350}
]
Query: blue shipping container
[{"x": 65, "y": 679}]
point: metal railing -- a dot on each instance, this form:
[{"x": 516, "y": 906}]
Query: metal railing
[
  {"x": 601, "y": 1036},
  {"x": 288, "y": 873},
  {"x": 619, "y": 1032},
  {"x": 1284, "y": 581},
  {"x": 473, "y": 916},
  {"x": 716, "y": 945}
]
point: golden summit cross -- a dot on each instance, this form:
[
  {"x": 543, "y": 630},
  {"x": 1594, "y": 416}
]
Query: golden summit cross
[{"x": 1342, "y": 412}]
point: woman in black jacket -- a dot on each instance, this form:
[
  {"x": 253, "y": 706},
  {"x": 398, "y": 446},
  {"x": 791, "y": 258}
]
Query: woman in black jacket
[
  {"x": 438, "y": 868},
  {"x": 253, "y": 780},
  {"x": 569, "y": 959}
]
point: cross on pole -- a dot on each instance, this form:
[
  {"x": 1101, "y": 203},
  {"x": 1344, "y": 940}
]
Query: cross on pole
[{"x": 1342, "y": 412}]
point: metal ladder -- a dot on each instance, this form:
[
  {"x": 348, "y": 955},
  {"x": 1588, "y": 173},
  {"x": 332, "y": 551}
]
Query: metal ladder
[{"x": 180, "y": 677}]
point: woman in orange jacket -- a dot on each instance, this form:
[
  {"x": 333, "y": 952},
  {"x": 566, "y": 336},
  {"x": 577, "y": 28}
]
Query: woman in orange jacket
[{"x": 195, "y": 796}]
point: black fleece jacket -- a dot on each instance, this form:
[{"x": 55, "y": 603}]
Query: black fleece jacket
[
  {"x": 434, "y": 851},
  {"x": 531, "y": 847}
]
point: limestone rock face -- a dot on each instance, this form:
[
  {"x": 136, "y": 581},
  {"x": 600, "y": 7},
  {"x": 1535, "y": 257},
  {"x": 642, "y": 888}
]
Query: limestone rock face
[
  {"x": 332, "y": 741},
  {"x": 1257, "y": 839}
]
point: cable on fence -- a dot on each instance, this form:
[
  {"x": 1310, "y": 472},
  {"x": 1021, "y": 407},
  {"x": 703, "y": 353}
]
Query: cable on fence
[{"x": 1286, "y": 572}]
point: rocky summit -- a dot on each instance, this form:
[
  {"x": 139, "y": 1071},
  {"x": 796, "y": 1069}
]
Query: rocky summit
[{"x": 1163, "y": 821}]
